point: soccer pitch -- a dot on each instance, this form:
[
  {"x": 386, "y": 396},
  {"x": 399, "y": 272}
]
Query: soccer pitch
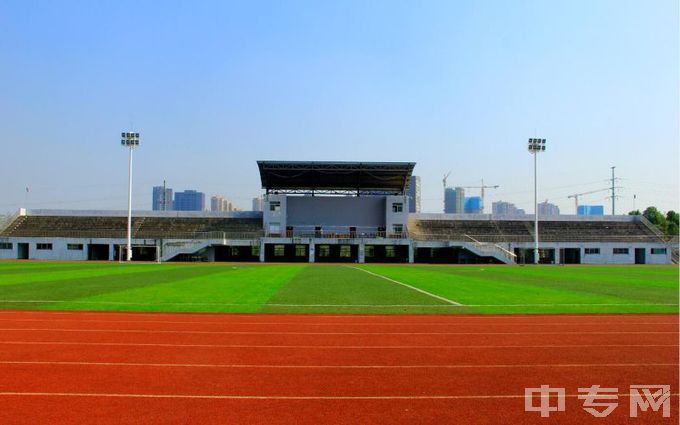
[{"x": 316, "y": 288}]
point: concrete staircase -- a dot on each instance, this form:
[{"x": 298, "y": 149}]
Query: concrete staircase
[
  {"x": 489, "y": 249},
  {"x": 175, "y": 248}
]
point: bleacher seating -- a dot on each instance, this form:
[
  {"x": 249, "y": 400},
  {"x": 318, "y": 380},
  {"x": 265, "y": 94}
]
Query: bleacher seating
[
  {"x": 522, "y": 231},
  {"x": 143, "y": 227}
]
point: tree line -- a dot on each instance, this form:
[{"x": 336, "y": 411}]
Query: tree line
[{"x": 667, "y": 224}]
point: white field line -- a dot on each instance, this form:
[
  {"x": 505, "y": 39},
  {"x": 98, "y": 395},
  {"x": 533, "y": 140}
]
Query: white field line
[
  {"x": 331, "y": 347},
  {"x": 174, "y": 331},
  {"x": 402, "y": 324},
  {"x": 283, "y": 397},
  {"x": 287, "y": 366},
  {"x": 429, "y": 294},
  {"x": 450, "y": 305}
]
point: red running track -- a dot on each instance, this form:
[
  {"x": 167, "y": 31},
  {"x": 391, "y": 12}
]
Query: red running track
[{"x": 106, "y": 368}]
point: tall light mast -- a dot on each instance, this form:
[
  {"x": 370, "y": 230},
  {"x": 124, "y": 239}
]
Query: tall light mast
[{"x": 131, "y": 142}]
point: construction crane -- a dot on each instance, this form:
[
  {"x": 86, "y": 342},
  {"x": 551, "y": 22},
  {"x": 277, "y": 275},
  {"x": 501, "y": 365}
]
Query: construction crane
[
  {"x": 446, "y": 176},
  {"x": 482, "y": 187},
  {"x": 576, "y": 195}
]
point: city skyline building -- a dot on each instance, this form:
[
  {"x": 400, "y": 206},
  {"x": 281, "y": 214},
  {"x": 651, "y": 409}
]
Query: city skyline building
[
  {"x": 473, "y": 205},
  {"x": 414, "y": 192},
  {"x": 590, "y": 210},
  {"x": 189, "y": 200},
  {"x": 546, "y": 208},
  {"x": 161, "y": 198},
  {"x": 506, "y": 208},
  {"x": 454, "y": 200}
]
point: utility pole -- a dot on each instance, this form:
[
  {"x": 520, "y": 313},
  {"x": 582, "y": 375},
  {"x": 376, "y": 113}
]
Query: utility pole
[
  {"x": 613, "y": 192},
  {"x": 163, "y": 198}
]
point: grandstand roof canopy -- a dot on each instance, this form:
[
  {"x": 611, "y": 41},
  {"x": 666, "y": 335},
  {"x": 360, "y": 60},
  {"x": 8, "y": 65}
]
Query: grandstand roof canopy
[{"x": 331, "y": 176}]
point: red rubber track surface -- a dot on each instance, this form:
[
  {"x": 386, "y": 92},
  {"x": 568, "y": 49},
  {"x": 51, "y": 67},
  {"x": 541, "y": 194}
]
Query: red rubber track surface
[{"x": 106, "y": 368}]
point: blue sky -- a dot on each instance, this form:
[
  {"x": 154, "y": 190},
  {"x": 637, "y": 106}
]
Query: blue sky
[{"x": 454, "y": 86}]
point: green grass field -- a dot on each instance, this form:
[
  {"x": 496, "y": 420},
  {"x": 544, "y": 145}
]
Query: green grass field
[{"x": 304, "y": 288}]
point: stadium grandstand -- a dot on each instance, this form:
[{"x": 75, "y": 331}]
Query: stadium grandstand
[{"x": 332, "y": 212}]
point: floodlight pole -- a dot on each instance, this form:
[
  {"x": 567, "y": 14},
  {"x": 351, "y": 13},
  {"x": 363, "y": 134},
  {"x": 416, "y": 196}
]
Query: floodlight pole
[
  {"x": 130, "y": 141},
  {"x": 536, "y": 146},
  {"x": 536, "y": 255}
]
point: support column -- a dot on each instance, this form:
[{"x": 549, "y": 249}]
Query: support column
[
  {"x": 361, "y": 254},
  {"x": 312, "y": 249},
  {"x": 261, "y": 250},
  {"x": 411, "y": 253}
]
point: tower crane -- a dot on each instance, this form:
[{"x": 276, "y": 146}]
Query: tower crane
[
  {"x": 576, "y": 195},
  {"x": 446, "y": 176},
  {"x": 482, "y": 187}
]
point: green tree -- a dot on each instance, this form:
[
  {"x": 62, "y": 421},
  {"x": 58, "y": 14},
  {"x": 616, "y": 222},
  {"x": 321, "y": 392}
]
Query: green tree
[
  {"x": 656, "y": 218},
  {"x": 634, "y": 212},
  {"x": 672, "y": 219}
]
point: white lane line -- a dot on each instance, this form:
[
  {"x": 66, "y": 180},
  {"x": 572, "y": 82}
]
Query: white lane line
[
  {"x": 286, "y": 366},
  {"x": 450, "y": 303},
  {"x": 174, "y": 331},
  {"x": 399, "y": 324},
  {"x": 282, "y": 397},
  {"x": 332, "y": 347},
  {"x": 446, "y": 300}
]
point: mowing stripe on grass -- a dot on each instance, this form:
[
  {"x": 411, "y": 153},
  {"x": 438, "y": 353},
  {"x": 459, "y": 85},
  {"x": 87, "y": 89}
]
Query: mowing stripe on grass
[
  {"x": 454, "y": 304},
  {"x": 446, "y": 300}
]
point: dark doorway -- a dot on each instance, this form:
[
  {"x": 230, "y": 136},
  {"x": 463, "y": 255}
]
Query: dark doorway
[
  {"x": 143, "y": 253},
  {"x": 386, "y": 254},
  {"x": 640, "y": 256},
  {"x": 526, "y": 255},
  {"x": 570, "y": 256},
  {"x": 97, "y": 252},
  {"x": 22, "y": 251},
  {"x": 237, "y": 253}
]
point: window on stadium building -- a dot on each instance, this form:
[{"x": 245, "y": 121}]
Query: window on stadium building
[
  {"x": 5, "y": 245},
  {"x": 592, "y": 251},
  {"x": 275, "y": 206},
  {"x": 369, "y": 251},
  {"x": 397, "y": 228},
  {"x": 44, "y": 246},
  {"x": 659, "y": 250},
  {"x": 300, "y": 250},
  {"x": 619, "y": 251},
  {"x": 397, "y": 207},
  {"x": 234, "y": 251},
  {"x": 74, "y": 247},
  {"x": 390, "y": 251},
  {"x": 345, "y": 251},
  {"x": 279, "y": 250},
  {"x": 255, "y": 250},
  {"x": 324, "y": 251}
]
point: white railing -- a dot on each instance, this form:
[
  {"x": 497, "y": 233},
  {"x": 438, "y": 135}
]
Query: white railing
[
  {"x": 493, "y": 250},
  {"x": 11, "y": 219},
  {"x": 506, "y": 238}
]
